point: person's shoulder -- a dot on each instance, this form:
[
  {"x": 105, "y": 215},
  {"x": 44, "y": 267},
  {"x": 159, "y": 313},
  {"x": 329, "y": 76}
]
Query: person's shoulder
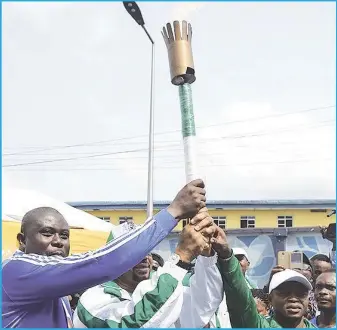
[
  {"x": 311, "y": 324},
  {"x": 268, "y": 322}
]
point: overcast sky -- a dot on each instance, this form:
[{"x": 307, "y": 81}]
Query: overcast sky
[{"x": 76, "y": 82}]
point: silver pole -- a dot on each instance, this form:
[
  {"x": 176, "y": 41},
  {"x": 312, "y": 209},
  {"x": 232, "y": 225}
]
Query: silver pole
[{"x": 151, "y": 134}]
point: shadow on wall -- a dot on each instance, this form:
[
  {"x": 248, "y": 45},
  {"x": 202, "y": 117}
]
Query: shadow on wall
[{"x": 262, "y": 250}]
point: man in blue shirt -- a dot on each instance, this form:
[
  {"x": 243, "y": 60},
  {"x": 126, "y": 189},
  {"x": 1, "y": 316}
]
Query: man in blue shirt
[{"x": 36, "y": 278}]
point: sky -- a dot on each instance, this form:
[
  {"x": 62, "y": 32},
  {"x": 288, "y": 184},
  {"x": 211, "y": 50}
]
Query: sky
[{"x": 76, "y": 86}]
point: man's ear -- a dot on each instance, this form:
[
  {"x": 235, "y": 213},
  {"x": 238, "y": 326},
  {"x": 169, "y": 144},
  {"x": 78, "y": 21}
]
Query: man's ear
[{"x": 21, "y": 240}]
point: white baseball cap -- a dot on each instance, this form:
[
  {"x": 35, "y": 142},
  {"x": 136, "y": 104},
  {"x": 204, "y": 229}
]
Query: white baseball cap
[
  {"x": 288, "y": 275},
  {"x": 240, "y": 251}
]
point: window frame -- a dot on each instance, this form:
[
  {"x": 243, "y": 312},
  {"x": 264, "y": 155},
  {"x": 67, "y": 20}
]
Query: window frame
[
  {"x": 250, "y": 221},
  {"x": 282, "y": 221},
  {"x": 220, "y": 221}
]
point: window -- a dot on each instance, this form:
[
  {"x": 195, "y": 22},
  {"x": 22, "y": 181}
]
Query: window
[
  {"x": 125, "y": 219},
  {"x": 284, "y": 221},
  {"x": 220, "y": 221},
  {"x": 106, "y": 219},
  {"x": 248, "y": 222}
]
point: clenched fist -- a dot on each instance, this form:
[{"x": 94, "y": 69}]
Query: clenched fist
[{"x": 189, "y": 201}]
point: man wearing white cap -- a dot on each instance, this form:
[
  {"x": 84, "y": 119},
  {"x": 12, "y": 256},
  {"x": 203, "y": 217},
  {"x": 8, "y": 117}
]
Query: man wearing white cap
[
  {"x": 288, "y": 289},
  {"x": 243, "y": 259}
]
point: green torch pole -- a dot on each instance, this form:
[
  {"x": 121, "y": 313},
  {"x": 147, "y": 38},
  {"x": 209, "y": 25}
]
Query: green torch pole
[{"x": 178, "y": 43}]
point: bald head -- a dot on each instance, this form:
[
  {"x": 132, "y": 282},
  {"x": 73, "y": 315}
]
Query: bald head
[
  {"x": 35, "y": 215},
  {"x": 44, "y": 231}
]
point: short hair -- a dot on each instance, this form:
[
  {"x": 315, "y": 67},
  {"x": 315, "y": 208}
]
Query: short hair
[
  {"x": 32, "y": 215},
  {"x": 260, "y": 294},
  {"x": 158, "y": 258},
  {"x": 321, "y": 257}
]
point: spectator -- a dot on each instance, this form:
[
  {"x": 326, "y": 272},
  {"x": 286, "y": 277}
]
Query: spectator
[
  {"x": 332, "y": 239},
  {"x": 36, "y": 282},
  {"x": 243, "y": 259},
  {"x": 289, "y": 293},
  {"x": 320, "y": 263},
  {"x": 325, "y": 294},
  {"x": 262, "y": 301},
  {"x": 307, "y": 271},
  {"x": 135, "y": 300}
]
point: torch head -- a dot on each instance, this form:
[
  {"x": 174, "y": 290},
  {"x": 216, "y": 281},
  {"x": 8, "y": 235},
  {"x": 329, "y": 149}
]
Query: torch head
[{"x": 178, "y": 43}]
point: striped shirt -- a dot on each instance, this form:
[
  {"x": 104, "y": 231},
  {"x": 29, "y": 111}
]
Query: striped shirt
[
  {"x": 155, "y": 303},
  {"x": 33, "y": 285}
]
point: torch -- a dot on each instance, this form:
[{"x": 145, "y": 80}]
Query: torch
[{"x": 178, "y": 43}]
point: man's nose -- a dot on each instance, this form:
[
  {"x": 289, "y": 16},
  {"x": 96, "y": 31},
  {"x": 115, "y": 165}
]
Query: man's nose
[
  {"x": 57, "y": 241},
  {"x": 293, "y": 297},
  {"x": 323, "y": 292}
]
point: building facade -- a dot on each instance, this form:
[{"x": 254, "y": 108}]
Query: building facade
[
  {"x": 262, "y": 228},
  {"x": 227, "y": 214}
]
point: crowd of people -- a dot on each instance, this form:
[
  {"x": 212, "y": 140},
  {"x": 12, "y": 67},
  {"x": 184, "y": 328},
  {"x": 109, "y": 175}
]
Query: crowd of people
[{"x": 204, "y": 283}]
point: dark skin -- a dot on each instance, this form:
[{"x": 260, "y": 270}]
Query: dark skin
[
  {"x": 289, "y": 301},
  {"x": 191, "y": 243},
  {"x": 47, "y": 234},
  {"x": 325, "y": 295},
  {"x": 141, "y": 272},
  {"x": 244, "y": 263},
  {"x": 320, "y": 267}
]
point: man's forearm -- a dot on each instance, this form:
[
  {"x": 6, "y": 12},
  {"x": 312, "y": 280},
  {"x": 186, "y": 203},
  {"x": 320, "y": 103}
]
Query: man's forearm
[{"x": 240, "y": 302}]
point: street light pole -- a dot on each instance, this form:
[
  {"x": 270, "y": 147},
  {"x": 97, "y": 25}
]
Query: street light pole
[{"x": 133, "y": 9}]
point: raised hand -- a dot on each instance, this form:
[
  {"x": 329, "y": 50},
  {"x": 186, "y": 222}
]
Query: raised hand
[
  {"x": 194, "y": 242},
  {"x": 189, "y": 201},
  {"x": 220, "y": 244},
  {"x": 203, "y": 223}
]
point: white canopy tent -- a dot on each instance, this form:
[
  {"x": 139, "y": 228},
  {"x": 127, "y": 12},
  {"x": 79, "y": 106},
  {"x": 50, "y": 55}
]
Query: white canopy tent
[
  {"x": 17, "y": 202},
  {"x": 87, "y": 232}
]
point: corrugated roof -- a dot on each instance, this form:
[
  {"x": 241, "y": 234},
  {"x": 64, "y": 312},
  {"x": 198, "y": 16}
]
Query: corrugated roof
[{"x": 227, "y": 204}]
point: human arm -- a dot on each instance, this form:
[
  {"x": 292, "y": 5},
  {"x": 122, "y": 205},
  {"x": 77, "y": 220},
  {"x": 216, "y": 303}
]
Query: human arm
[
  {"x": 155, "y": 302},
  {"x": 30, "y": 278},
  {"x": 240, "y": 302}
]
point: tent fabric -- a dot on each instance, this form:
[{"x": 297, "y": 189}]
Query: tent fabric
[
  {"x": 17, "y": 202},
  {"x": 81, "y": 240}
]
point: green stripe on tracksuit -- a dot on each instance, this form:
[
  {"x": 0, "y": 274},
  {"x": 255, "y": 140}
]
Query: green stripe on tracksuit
[{"x": 156, "y": 302}]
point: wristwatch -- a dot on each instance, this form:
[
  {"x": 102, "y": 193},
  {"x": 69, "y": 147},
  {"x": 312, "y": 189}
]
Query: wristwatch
[{"x": 175, "y": 259}]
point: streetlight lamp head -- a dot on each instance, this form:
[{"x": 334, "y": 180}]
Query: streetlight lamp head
[
  {"x": 133, "y": 9},
  {"x": 180, "y": 52}
]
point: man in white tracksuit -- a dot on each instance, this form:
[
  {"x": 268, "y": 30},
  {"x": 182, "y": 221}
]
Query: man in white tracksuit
[{"x": 139, "y": 299}]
